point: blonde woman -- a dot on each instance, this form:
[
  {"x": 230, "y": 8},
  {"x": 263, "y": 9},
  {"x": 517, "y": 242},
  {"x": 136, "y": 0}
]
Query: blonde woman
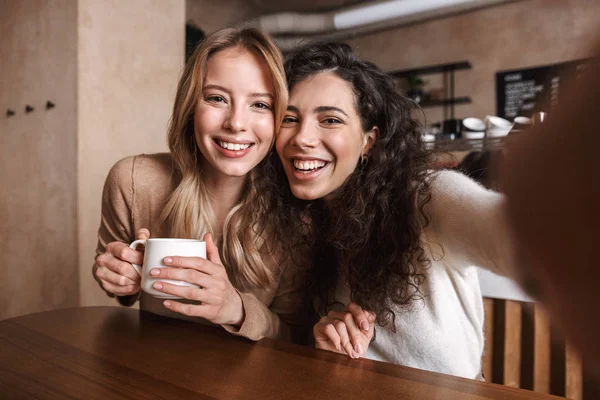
[{"x": 214, "y": 183}]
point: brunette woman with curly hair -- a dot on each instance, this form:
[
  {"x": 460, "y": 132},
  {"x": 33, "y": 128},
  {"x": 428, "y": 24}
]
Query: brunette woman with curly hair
[{"x": 381, "y": 230}]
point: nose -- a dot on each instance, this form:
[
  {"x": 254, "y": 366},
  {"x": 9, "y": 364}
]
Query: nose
[
  {"x": 237, "y": 118},
  {"x": 306, "y": 136}
]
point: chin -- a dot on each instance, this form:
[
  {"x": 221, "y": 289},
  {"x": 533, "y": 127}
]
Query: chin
[
  {"x": 235, "y": 172},
  {"x": 305, "y": 193},
  {"x": 238, "y": 168}
]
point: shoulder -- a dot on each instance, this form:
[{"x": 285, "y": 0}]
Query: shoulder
[
  {"x": 142, "y": 167},
  {"x": 450, "y": 186},
  {"x": 456, "y": 197},
  {"x": 143, "y": 173}
]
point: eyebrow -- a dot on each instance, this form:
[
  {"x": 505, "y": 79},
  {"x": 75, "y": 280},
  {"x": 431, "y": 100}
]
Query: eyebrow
[
  {"x": 319, "y": 109},
  {"x": 269, "y": 95}
]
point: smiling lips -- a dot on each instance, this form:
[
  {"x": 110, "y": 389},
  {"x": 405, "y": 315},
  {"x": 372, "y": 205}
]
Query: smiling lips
[
  {"x": 233, "y": 150},
  {"x": 305, "y": 170},
  {"x": 308, "y": 165}
]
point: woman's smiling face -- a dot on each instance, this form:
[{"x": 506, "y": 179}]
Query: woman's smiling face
[
  {"x": 233, "y": 121},
  {"x": 321, "y": 140}
]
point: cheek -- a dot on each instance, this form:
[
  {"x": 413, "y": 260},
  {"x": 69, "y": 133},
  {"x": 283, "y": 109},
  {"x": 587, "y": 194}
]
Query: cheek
[
  {"x": 207, "y": 120},
  {"x": 282, "y": 139},
  {"x": 264, "y": 127},
  {"x": 346, "y": 151}
]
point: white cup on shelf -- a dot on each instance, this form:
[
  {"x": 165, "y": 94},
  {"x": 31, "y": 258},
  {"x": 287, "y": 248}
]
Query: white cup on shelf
[{"x": 496, "y": 126}]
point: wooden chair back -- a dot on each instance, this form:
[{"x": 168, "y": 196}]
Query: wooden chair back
[{"x": 522, "y": 350}]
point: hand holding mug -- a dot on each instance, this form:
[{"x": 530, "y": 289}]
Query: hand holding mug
[
  {"x": 114, "y": 268},
  {"x": 220, "y": 302},
  {"x": 347, "y": 332}
]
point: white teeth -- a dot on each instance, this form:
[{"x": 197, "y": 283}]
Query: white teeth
[
  {"x": 308, "y": 165},
  {"x": 232, "y": 146}
]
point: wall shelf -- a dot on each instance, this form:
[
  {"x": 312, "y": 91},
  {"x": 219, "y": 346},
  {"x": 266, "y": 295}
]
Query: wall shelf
[
  {"x": 448, "y": 75},
  {"x": 433, "y": 69},
  {"x": 440, "y": 103},
  {"x": 490, "y": 143}
]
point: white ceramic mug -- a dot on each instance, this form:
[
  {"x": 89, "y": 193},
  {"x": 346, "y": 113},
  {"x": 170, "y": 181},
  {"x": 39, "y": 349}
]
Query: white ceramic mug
[{"x": 156, "y": 251}]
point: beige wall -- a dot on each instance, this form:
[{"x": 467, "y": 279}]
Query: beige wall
[
  {"x": 130, "y": 56},
  {"x": 38, "y": 156},
  {"x": 112, "y": 68},
  {"x": 521, "y": 34},
  {"x": 210, "y": 15}
]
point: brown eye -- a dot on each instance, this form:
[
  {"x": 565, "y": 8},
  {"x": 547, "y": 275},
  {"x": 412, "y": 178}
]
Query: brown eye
[
  {"x": 215, "y": 99},
  {"x": 262, "y": 106}
]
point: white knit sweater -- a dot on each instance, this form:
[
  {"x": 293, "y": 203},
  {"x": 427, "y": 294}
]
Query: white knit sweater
[{"x": 444, "y": 331}]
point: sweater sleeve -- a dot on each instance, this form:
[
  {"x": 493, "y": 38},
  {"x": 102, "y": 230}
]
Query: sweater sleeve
[
  {"x": 288, "y": 317},
  {"x": 470, "y": 224},
  {"x": 116, "y": 218}
]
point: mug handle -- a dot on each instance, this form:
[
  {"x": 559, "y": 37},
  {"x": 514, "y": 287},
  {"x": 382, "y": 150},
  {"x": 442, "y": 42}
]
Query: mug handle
[{"x": 134, "y": 245}]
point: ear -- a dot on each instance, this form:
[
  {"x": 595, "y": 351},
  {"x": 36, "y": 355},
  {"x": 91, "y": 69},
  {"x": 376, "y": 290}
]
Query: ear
[{"x": 369, "y": 139}]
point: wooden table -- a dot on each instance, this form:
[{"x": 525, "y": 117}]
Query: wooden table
[{"x": 111, "y": 353}]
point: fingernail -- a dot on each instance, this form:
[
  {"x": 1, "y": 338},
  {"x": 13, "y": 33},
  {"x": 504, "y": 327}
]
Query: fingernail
[
  {"x": 155, "y": 272},
  {"x": 359, "y": 349},
  {"x": 168, "y": 260},
  {"x": 167, "y": 303},
  {"x": 364, "y": 325},
  {"x": 157, "y": 285}
]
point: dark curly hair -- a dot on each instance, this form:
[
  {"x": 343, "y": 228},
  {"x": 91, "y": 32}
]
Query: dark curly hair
[{"x": 369, "y": 234}]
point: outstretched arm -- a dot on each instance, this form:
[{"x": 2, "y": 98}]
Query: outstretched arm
[{"x": 552, "y": 180}]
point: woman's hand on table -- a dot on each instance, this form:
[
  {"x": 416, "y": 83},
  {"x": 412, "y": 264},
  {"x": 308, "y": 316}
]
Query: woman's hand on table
[
  {"x": 220, "y": 302},
  {"x": 114, "y": 269},
  {"x": 347, "y": 332}
]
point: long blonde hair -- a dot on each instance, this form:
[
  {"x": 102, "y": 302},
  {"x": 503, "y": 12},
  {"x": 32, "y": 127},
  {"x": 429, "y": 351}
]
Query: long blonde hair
[{"x": 189, "y": 212}]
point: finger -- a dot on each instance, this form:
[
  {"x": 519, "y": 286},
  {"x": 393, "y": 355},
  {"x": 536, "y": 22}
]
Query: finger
[
  {"x": 143, "y": 234},
  {"x": 184, "y": 274},
  {"x": 340, "y": 327},
  {"x": 361, "y": 316},
  {"x": 187, "y": 292},
  {"x": 212, "y": 252},
  {"x": 326, "y": 337},
  {"x": 197, "y": 263},
  {"x": 122, "y": 268},
  {"x": 120, "y": 290},
  {"x": 355, "y": 334},
  {"x": 191, "y": 310},
  {"x": 107, "y": 275},
  {"x": 123, "y": 252}
]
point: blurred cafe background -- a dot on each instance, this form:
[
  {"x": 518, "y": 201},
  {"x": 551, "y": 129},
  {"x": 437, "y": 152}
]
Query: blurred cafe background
[{"x": 84, "y": 83}]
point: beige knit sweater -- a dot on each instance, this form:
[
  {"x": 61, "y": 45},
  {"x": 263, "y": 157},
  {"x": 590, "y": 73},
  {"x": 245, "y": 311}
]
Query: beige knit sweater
[{"x": 135, "y": 193}]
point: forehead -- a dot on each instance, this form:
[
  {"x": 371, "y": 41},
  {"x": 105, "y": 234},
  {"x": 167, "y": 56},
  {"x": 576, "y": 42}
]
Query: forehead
[
  {"x": 323, "y": 89},
  {"x": 238, "y": 67}
]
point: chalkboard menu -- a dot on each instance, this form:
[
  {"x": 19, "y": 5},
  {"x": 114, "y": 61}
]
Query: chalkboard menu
[{"x": 523, "y": 92}]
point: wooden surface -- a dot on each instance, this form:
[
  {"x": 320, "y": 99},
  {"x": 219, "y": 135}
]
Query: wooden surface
[
  {"x": 488, "y": 331},
  {"x": 573, "y": 374},
  {"x": 522, "y": 350},
  {"x": 110, "y": 352},
  {"x": 541, "y": 352},
  {"x": 512, "y": 343}
]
